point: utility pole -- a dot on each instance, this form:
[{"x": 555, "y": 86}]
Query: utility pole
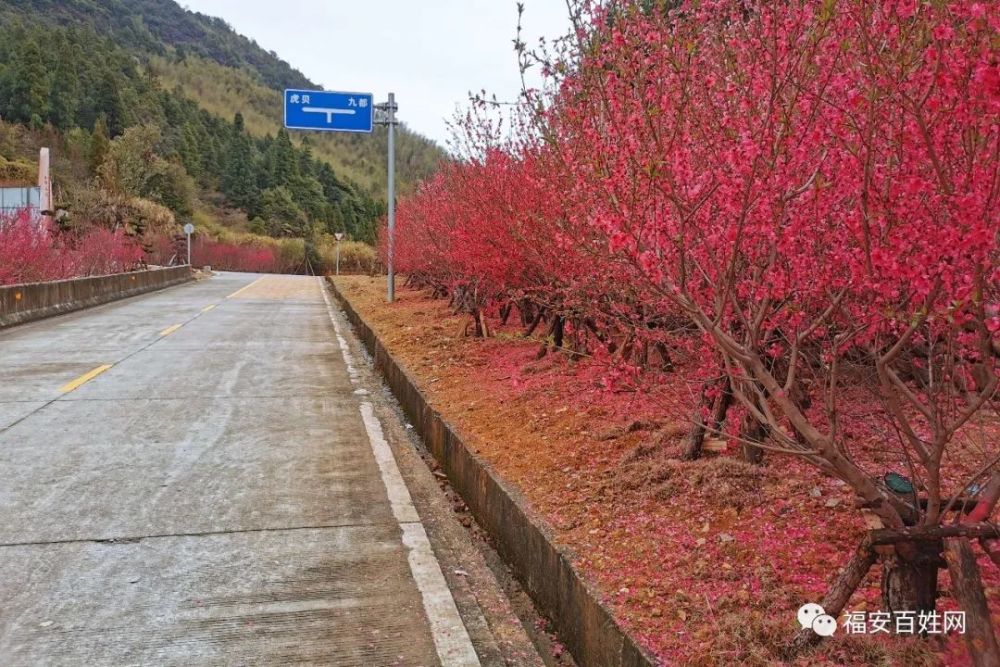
[{"x": 390, "y": 120}]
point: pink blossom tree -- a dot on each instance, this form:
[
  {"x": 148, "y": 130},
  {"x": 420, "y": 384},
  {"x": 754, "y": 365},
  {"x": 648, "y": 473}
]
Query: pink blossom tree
[{"x": 805, "y": 197}]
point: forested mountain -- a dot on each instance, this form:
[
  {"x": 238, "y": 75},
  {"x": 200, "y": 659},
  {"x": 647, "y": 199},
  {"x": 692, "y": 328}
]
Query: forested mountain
[
  {"x": 157, "y": 27},
  {"x": 173, "y": 107}
]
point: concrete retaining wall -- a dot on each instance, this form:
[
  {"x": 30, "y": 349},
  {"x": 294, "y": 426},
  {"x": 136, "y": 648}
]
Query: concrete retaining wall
[
  {"x": 34, "y": 301},
  {"x": 544, "y": 570}
]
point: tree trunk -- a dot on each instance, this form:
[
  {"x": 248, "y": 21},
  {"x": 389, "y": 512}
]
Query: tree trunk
[
  {"x": 554, "y": 334},
  {"x": 910, "y": 584},
  {"x": 968, "y": 590},
  {"x": 627, "y": 346},
  {"x": 753, "y": 430},
  {"x": 557, "y": 334},
  {"x": 838, "y": 596},
  {"x": 696, "y": 438},
  {"x": 590, "y": 324},
  {"x": 982, "y": 530},
  {"x": 642, "y": 355},
  {"x": 525, "y": 312},
  {"x": 666, "y": 363},
  {"x": 692, "y": 448},
  {"x": 534, "y": 323}
]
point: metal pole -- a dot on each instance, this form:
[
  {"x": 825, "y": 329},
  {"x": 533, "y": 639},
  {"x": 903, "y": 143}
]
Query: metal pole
[
  {"x": 392, "y": 196},
  {"x": 338, "y": 257},
  {"x": 189, "y": 249}
]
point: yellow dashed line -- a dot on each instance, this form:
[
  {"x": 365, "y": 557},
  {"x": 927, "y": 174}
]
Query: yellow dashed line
[
  {"x": 83, "y": 379},
  {"x": 208, "y": 308},
  {"x": 245, "y": 287},
  {"x": 170, "y": 330}
]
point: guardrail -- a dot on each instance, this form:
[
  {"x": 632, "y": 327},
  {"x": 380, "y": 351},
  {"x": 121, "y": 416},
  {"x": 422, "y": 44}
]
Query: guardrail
[{"x": 35, "y": 301}]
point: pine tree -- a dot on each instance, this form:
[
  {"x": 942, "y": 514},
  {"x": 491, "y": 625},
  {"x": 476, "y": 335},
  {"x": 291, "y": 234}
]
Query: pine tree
[
  {"x": 238, "y": 182},
  {"x": 283, "y": 164},
  {"x": 26, "y": 85},
  {"x": 189, "y": 151},
  {"x": 65, "y": 99},
  {"x": 108, "y": 100}
]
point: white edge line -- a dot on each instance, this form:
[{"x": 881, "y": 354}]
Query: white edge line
[
  {"x": 451, "y": 638},
  {"x": 399, "y": 495}
]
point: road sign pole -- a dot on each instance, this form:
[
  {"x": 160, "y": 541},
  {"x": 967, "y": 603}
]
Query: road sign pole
[
  {"x": 331, "y": 111},
  {"x": 392, "y": 197},
  {"x": 188, "y": 231}
]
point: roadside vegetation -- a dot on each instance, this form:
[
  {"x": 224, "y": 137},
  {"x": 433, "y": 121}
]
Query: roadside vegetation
[
  {"x": 30, "y": 252},
  {"x": 790, "y": 214}
]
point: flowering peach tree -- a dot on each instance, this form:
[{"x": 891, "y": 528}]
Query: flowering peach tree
[
  {"x": 805, "y": 197},
  {"x": 31, "y": 250}
]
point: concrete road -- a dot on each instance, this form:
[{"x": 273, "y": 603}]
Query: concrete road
[{"x": 194, "y": 477}]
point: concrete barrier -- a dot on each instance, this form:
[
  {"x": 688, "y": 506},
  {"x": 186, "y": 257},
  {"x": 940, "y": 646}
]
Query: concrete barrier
[
  {"x": 35, "y": 301},
  {"x": 582, "y": 623}
]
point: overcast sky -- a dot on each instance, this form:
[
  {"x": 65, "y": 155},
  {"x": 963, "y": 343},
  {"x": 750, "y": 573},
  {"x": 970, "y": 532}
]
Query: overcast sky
[{"x": 431, "y": 53}]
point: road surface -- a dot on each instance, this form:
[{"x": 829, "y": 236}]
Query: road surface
[{"x": 195, "y": 477}]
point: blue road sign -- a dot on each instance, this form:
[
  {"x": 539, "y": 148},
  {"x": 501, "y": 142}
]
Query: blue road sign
[{"x": 330, "y": 111}]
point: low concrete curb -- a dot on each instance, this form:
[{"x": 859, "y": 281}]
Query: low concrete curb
[
  {"x": 582, "y": 623},
  {"x": 35, "y": 301}
]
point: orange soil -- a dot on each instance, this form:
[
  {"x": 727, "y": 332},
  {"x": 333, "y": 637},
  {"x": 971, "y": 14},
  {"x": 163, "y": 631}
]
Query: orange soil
[{"x": 705, "y": 563}]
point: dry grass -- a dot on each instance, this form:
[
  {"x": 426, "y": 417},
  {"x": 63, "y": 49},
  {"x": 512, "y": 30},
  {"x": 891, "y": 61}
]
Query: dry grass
[
  {"x": 355, "y": 257},
  {"x": 14, "y": 173}
]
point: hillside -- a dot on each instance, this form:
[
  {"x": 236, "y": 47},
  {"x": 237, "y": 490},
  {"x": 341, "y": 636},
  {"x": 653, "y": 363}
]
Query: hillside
[
  {"x": 162, "y": 29},
  {"x": 90, "y": 70},
  {"x": 220, "y": 89},
  {"x": 157, "y": 27}
]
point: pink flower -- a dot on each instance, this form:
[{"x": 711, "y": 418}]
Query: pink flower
[
  {"x": 943, "y": 32},
  {"x": 906, "y": 8}
]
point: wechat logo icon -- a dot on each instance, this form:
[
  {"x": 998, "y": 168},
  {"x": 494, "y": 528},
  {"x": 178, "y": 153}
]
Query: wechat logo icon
[{"x": 812, "y": 615}]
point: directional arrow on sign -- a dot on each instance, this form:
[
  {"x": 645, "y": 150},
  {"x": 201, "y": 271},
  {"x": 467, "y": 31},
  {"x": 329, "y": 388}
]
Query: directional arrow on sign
[{"x": 329, "y": 112}]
